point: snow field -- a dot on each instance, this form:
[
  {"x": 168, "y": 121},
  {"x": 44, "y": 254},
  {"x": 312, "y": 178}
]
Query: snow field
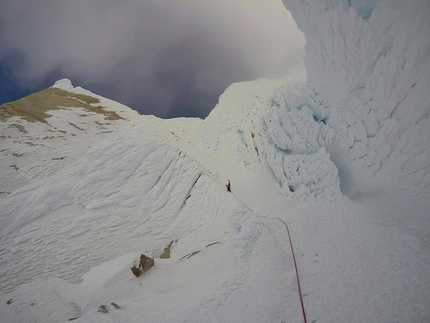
[
  {"x": 135, "y": 192},
  {"x": 341, "y": 159},
  {"x": 91, "y": 198},
  {"x": 356, "y": 262},
  {"x": 159, "y": 181}
]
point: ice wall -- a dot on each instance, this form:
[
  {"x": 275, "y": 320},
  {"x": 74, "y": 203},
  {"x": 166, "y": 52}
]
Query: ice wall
[{"x": 369, "y": 61}]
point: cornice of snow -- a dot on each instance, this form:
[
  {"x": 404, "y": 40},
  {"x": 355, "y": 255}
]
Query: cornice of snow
[{"x": 63, "y": 84}]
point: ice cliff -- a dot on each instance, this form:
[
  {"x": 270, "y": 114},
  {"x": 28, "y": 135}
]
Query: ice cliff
[{"x": 369, "y": 62}]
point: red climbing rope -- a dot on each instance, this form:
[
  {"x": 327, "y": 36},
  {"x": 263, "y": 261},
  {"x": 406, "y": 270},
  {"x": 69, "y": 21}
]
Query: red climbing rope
[
  {"x": 292, "y": 252},
  {"x": 297, "y": 272}
]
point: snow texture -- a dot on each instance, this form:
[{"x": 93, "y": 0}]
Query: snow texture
[
  {"x": 369, "y": 60},
  {"x": 340, "y": 154}
]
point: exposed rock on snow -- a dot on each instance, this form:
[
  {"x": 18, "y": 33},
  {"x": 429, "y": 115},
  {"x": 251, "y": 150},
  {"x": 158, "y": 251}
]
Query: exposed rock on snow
[
  {"x": 145, "y": 264},
  {"x": 136, "y": 271},
  {"x": 51, "y": 129},
  {"x": 167, "y": 251},
  {"x": 86, "y": 194}
]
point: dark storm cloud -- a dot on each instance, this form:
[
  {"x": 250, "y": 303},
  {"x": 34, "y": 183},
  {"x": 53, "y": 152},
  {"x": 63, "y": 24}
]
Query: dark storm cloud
[{"x": 162, "y": 57}]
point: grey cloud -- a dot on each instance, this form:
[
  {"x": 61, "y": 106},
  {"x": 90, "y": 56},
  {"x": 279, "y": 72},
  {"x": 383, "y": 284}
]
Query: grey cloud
[{"x": 159, "y": 57}]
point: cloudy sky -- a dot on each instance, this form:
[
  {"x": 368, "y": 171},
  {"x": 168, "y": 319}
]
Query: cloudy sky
[{"x": 163, "y": 57}]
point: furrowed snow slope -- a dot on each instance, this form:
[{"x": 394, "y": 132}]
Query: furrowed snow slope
[
  {"x": 133, "y": 192},
  {"x": 361, "y": 260},
  {"x": 328, "y": 155},
  {"x": 158, "y": 181}
]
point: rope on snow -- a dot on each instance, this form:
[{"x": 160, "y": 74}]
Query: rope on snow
[
  {"x": 292, "y": 253},
  {"x": 297, "y": 272}
]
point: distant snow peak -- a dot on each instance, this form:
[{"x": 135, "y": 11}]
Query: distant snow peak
[{"x": 51, "y": 129}]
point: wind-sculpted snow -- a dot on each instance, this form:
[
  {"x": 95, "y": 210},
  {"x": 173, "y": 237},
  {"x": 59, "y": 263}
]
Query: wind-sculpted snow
[
  {"x": 118, "y": 185},
  {"x": 131, "y": 194},
  {"x": 155, "y": 181},
  {"x": 296, "y": 124},
  {"x": 369, "y": 61},
  {"x": 133, "y": 191},
  {"x": 324, "y": 155},
  {"x": 269, "y": 127}
]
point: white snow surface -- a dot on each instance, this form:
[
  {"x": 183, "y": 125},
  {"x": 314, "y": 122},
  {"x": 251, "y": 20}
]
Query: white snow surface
[
  {"x": 375, "y": 73},
  {"x": 326, "y": 153}
]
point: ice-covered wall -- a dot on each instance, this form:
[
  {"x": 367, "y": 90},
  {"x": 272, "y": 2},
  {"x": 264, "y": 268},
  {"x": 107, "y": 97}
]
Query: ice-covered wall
[{"x": 370, "y": 61}]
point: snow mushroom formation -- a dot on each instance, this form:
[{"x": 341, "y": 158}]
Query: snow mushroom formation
[
  {"x": 341, "y": 155},
  {"x": 369, "y": 60}
]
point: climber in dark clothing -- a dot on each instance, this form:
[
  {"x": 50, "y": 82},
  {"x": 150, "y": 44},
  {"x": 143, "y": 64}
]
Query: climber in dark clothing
[{"x": 228, "y": 186}]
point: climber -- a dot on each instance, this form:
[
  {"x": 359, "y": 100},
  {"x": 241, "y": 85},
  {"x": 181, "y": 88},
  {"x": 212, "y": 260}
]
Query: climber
[{"x": 228, "y": 186}]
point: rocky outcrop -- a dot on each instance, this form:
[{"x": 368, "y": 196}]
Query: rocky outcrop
[{"x": 145, "y": 264}]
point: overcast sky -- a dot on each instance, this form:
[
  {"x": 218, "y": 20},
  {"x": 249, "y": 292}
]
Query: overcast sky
[{"x": 163, "y": 57}]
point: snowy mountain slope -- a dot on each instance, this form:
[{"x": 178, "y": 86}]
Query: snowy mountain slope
[
  {"x": 352, "y": 191},
  {"x": 50, "y": 130},
  {"x": 158, "y": 181},
  {"x": 371, "y": 246},
  {"x": 135, "y": 192},
  {"x": 254, "y": 132}
]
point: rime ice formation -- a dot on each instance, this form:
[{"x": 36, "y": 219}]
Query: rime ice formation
[
  {"x": 87, "y": 185},
  {"x": 370, "y": 60}
]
